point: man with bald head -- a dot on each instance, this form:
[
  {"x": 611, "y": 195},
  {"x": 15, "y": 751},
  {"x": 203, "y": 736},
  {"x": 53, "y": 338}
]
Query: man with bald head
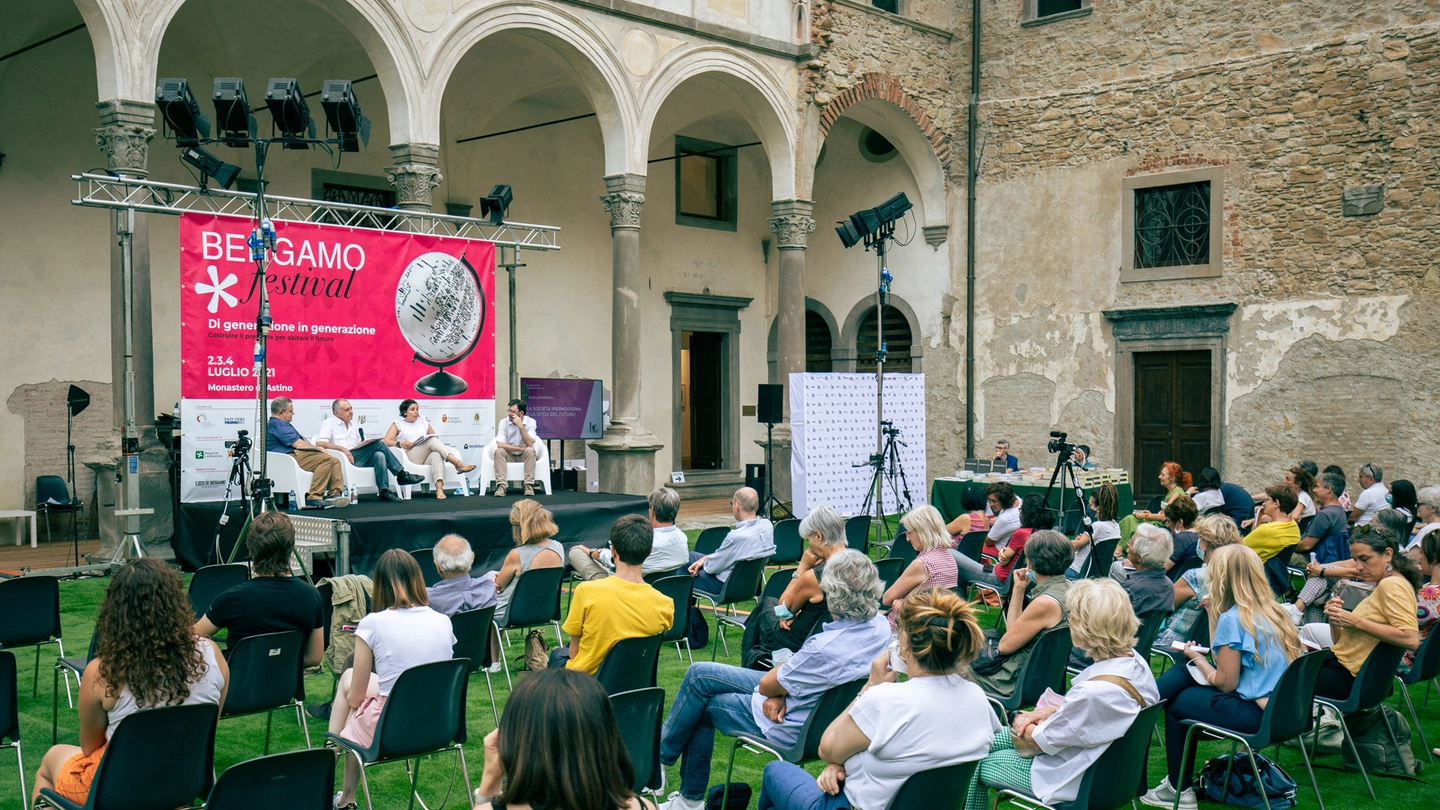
[
  {"x": 752, "y": 537},
  {"x": 457, "y": 591},
  {"x": 339, "y": 432}
]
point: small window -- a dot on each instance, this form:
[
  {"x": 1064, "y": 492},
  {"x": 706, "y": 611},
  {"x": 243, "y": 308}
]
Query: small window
[
  {"x": 875, "y": 147},
  {"x": 818, "y": 342},
  {"x": 1172, "y": 225},
  {"x": 1038, "y": 12},
  {"x": 892, "y": 6},
  {"x": 898, "y": 340},
  {"x": 1045, "y": 8},
  {"x": 704, "y": 184}
]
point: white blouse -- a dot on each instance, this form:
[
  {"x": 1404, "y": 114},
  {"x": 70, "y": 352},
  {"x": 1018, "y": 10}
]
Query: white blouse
[{"x": 412, "y": 432}]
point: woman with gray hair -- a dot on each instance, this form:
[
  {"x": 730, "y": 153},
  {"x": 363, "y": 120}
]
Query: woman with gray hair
[
  {"x": 1037, "y": 603},
  {"x": 775, "y": 704},
  {"x": 1427, "y": 520},
  {"x": 785, "y": 622},
  {"x": 1146, "y": 582}
]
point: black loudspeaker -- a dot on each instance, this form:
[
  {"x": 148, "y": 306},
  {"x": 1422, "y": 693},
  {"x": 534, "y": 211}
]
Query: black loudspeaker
[
  {"x": 771, "y": 408},
  {"x": 755, "y": 477}
]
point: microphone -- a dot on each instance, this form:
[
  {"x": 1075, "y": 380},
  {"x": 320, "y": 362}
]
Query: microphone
[{"x": 362, "y": 433}]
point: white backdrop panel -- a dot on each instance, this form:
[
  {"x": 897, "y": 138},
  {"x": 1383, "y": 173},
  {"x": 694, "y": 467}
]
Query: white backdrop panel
[{"x": 832, "y": 423}]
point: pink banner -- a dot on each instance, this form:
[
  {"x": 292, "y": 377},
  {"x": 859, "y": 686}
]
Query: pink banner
[{"x": 356, "y": 313}]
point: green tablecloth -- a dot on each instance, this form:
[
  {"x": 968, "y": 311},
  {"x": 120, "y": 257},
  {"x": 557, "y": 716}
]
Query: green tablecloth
[{"x": 945, "y": 496}]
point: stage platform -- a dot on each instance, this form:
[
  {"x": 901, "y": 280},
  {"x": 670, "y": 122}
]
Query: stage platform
[{"x": 377, "y": 526}]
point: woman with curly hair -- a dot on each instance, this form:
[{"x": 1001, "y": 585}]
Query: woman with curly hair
[
  {"x": 1174, "y": 480},
  {"x": 146, "y": 657}
]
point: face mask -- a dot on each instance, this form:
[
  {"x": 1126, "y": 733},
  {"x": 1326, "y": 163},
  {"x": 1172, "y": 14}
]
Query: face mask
[
  {"x": 1200, "y": 550},
  {"x": 1030, "y": 575},
  {"x": 897, "y": 664}
]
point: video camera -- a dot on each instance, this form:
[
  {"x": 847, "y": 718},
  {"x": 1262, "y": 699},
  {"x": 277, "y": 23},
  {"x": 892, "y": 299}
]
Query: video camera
[
  {"x": 241, "y": 445},
  {"x": 1059, "y": 445}
]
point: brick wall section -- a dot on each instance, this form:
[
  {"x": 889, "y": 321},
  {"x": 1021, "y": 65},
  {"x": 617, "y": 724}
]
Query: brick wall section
[
  {"x": 886, "y": 88},
  {"x": 42, "y": 406}
]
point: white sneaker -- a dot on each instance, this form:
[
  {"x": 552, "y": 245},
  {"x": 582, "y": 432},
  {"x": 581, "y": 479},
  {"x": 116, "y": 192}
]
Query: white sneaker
[
  {"x": 1293, "y": 612},
  {"x": 496, "y": 668},
  {"x": 678, "y": 802},
  {"x": 1163, "y": 795}
]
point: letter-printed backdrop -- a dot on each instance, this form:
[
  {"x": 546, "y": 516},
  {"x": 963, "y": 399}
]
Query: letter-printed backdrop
[{"x": 351, "y": 309}]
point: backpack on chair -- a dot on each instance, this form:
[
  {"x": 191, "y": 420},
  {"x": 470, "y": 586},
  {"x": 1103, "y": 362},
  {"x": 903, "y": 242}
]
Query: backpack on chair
[
  {"x": 537, "y": 652},
  {"x": 1384, "y": 742}
]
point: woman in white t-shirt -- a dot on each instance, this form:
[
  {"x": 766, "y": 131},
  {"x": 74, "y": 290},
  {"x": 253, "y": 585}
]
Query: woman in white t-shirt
[
  {"x": 415, "y": 435},
  {"x": 1105, "y": 505},
  {"x": 400, "y": 632},
  {"x": 894, "y": 730},
  {"x": 1301, "y": 483}
]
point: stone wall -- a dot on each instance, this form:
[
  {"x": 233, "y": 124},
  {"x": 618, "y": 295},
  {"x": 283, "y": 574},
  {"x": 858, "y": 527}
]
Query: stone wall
[{"x": 42, "y": 407}]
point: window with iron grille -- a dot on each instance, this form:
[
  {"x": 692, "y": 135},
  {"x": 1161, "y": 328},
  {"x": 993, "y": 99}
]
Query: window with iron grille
[
  {"x": 357, "y": 195},
  {"x": 1038, "y": 12},
  {"x": 898, "y": 340},
  {"x": 1172, "y": 225}
]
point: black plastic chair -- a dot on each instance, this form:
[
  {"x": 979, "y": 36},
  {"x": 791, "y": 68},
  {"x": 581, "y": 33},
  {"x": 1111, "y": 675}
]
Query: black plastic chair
[
  {"x": 890, "y": 570},
  {"x": 1277, "y": 572},
  {"x": 807, "y": 743},
  {"x": 943, "y": 788},
  {"x": 1425, "y": 669},
  {"x": 777, "y": 583},
  {"x": 1044, "y": 669},
  {"x": 710, "y": 539},
  {"x": 51, "y": 496},
  {"x": 857, "y": 533},
  {"x": 428, "y": 707},
  {"x": 743, "y": 584},
  {"x": 1190, "y": 564},
  {"x": 655, "y": 576},
  {"x": 1372, "y": 685},
  {"x": 31, "y": 607},
  {"x": 1286, "y": 717},
  {"x": 472, "y": 629},
  {"x": 156, "y": 758},
  {"x": 639, "y": 714},
  {"x": 1122, "y": 769},
  {"x": 630, "y": 665},
  {"x": 298, "y": 780},
  {"x": 64, "y": 668},
  {"x": 10, "y": 715},
  {"x": 213, "y": 580},
  {"x": 265, "y": 675},
  {"x": 1150, "y": 624},
  {"x": 681, "y": 589},
  {"x": 788, "y": 545},
  {"x": 1102, "y": 556},
  {"x": 1155, "y": 504},
  {"x": 425, "y": 557},
  {"x": 535, "y": 603},
  {"x": 900, "y": 548},
  {"x": 971, "y": 545}
]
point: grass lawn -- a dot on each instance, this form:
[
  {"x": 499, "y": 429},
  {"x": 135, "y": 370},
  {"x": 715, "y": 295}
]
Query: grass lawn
[{"x": 242, "y": 738}]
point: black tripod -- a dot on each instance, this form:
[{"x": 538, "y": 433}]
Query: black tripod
[
  {"x": 771, "y": 506},
  {"x": 239, "y": 476},
  {"x": 889, "y": 471},
  {"x": 1065, "y": 472}
]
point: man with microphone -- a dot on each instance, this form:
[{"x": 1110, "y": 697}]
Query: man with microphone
[{"x": 339, "y": 432}]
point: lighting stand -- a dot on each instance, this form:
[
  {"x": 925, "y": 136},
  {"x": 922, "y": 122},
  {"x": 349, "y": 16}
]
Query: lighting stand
[
  {"x": 262, "y": 244},
  {"x": 129, "y": 474},
  {"x": 876, "y": 241},
  {"x": 70, "y": 481},
  {"x": 772, "y": 506}
]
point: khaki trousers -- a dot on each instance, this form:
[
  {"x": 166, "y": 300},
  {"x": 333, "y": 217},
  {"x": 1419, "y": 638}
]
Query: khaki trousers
[
  {"x": 503, "y": 457},
  {"x": 329, "y": 477}
]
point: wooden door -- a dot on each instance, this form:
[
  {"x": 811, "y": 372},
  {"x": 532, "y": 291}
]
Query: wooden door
[
  {"x": 1172, "y": 416},
  {"x": 707, "y": 397}
]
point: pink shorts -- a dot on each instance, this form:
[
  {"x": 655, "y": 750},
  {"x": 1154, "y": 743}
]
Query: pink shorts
[{"x": 360, "y": 728}]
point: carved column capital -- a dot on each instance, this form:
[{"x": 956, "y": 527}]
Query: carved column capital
[
  {"x": 624, "y": 196},
  {"x": 124, "y": 135},
  {"x": 413, "y": 184},
  {"x": 792, "y": 223}
]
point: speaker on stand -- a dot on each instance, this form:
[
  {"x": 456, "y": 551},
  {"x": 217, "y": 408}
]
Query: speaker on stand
[{"x": 770, "y": 410}]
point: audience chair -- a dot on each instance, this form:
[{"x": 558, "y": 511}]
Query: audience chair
[
  {"x": 777, "y": 583},
  {"x": 900, "y": 548},
  {"x": 655, "y": 576},
  {"x": 1277, "y": 571},
  {"x": 1156, "y": 504},
  {"x": 156, "y": 758},
  {"x": 1122, "y": 769},
  {"x": 10, "y": 716},
  {"x": 288, "y": 476},
  {"x": 299, "y": 780},
  {"x": 1044, "y": 669},
  {"x": 788, "y": 545},
  {"x": 64, "y": 668},
  {"x": 1002, "y": 593},
  {"x": 1424, "y": 670},
  {"x": 743, "y": 584},
  {"x": 1191, "y": 563},
  {"x": 972, "y": 545},
  {"x": 536, "y": 603},
  {"x": 265, "y": 675},
  {"x": 1372, "y": 685},
  {"x": 711, "y": 538},
  {"x": 890, "y": 570},
  {"x": 52, "y": 495},
  {"x": 1102, "y": 556},
  {"x": 857, "y": 533},
  {"x": 681, "y": 589},
  {"x": 1286, "y": 717},
  {"x": 639, "y": 714},
  {"x": 630, "y": 665},
  {"x": 1199, "y": 633},
  {"x": 213, "y": 580},
  {"x": 472, "y": 630},
  {"x": 425, "y": 558},
  {"x": 31, "y": 609},
  {"x": 807, "y": 743},
  {"x": 944, "y": 788},
  {"x": 425, "y": 714}
]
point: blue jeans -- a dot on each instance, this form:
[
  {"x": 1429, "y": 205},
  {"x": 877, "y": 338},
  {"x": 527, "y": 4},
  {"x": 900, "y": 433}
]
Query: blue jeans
[
  {"x": 705, "y": 581},
  {"x": 712, "y": 697},
  {"x": 378, "y": 456},
  {"x": 1187, "y": 700},
  {"x": 790, "y": 787}
]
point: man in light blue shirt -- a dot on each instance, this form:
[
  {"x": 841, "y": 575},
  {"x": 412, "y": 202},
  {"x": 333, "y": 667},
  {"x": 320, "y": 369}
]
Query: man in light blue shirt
[
  {"x": 752, "y": 537},
  {"x": 669, "y": 551}
]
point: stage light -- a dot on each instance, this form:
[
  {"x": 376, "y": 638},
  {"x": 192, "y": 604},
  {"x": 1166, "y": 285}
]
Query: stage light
[
  {"x": 872, "y": 222},
  {"x": 210, "y": 166},
  {"x": 234, "y": 122},
  {"x": 342, "y": 114},
  {"x": 77, "y": 400},
  {"x": 289, "y": 111},
  {"x": 850, "y": 236},
  {"x": 497, "y": 204},
  {"x": 180, "y": 112}
]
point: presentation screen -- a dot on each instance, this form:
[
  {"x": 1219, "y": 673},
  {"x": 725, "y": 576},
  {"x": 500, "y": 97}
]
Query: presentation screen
[{"x": 564, "y": 408}]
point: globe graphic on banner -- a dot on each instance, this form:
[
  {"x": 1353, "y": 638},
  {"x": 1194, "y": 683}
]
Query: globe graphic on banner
[{"x": 441, "y": 312}]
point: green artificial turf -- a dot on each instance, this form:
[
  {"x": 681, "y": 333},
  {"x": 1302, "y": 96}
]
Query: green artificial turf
[{"x": 242, "y": 738}]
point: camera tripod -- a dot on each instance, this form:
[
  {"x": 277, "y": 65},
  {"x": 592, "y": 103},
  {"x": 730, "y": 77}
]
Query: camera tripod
[
  {"x": 239, "y": 475},
  {"x": 1068, "y": 478},
  {"x": 889, "y": 471}
]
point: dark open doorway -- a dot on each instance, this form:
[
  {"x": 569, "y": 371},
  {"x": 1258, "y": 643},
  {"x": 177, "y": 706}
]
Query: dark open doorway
[
  {"x": 1172, "y": 415},
  {"x": 703, "y": 380}
]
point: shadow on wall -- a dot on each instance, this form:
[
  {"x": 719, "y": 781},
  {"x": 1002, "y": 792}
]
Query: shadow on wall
[{"x": 42, "y": 406}]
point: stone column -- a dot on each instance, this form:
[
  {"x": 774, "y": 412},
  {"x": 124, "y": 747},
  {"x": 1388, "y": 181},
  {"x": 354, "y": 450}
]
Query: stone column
[
  {"x": 414, "y": 174},
  {"x": 792, "y": 225},
  {"x": 627, "y": 450},
  {"x": 126, "y": 128}
]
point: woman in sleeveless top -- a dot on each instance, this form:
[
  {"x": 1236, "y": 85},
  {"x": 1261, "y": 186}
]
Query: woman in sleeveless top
[
  {"x": 146, "y": 657},
  {"x": 785, "y": 622},
  {"x": 1037, "y": 603},
  {"x": 416, "y": 436},
  {"x": 933, "y": 567},
  {"x": 532, "y": 527},
  {"x": 552, "y": 711}
]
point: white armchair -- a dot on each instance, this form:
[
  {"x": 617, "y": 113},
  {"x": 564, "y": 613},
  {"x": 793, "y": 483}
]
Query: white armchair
[
  {"x": 362, "y": 479},
  {"x": 423, "y": 470},
  {"x": 514, "y": 470},
  {"x": 285, "y": 471}
]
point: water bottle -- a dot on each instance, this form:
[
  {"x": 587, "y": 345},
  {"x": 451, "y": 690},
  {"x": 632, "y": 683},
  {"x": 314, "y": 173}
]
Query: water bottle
[
  {"x": 294, "y": 504},
  {"x": 176, "y": 412}
]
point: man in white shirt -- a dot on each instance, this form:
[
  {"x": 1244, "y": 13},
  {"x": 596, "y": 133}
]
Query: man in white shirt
[
  {"x": 669, "y": 551},
  {"x": 1374, "y": 497},
  {"x": 339, "y": 432},
  {"x": 515, "y": 441}
]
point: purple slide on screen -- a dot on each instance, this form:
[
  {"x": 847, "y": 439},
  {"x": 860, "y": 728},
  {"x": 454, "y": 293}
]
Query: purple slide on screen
[{"x": 564, "y": 408}]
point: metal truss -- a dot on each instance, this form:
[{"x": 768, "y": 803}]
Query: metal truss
[{"x": 151, "y": 196}]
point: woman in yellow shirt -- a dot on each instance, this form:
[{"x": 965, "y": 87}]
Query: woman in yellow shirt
[{"x": 1387, "y": 614}]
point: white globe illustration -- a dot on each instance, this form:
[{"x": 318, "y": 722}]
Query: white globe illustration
[{"x": 440, "y": 310}]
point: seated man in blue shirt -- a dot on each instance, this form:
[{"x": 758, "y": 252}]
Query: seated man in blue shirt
[
  {"x": 752, "y": 537},
  {"x": 1002, "y": 453},
  {"x": 775, "y": 704},
  {"x": 328, "y": 483}
]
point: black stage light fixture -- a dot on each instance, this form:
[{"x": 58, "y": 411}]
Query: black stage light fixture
[
  {"x": 180, "y": 112},
  {"x": 496, "y": 204},
  {"x": 210, "y": 166},
  {"x": 342, "y": 114},
  {"x": 234, "y": 122},
  {"x": 289, "y": 111},
  {"x": 77, "y": 400},
  {"x": 872, "y": 221}
]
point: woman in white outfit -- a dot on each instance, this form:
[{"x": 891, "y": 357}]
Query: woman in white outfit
[{"x": 416, "y": 436}]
